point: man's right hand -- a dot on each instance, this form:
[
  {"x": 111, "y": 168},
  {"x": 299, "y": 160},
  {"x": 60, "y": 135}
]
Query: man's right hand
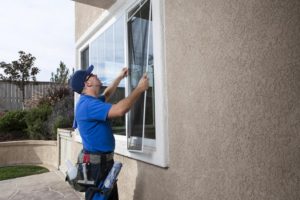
[
  {"x": 143, "y": 83},
  {"x": 123, "y": 106}
]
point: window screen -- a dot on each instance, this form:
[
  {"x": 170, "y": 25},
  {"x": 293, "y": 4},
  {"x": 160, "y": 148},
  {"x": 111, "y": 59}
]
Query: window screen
[{"x": 141, "y": 118}]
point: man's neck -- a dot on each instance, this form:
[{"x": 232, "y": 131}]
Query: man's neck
[{"x": 90, "y": 93}]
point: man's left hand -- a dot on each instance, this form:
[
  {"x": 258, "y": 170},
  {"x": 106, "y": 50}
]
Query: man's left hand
[{"x": 124, "y": 72}]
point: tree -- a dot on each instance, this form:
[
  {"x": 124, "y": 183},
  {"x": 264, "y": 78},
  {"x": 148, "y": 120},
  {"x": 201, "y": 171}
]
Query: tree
[
  {"x": 61, "y": 76},
  {"x": 59, "y": 89},
  {"x": 20, "y": 71}
]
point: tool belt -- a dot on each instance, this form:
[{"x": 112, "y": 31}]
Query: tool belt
[
  {"x": 94, "y": 158},
  {"x": 84, "y": 178}
]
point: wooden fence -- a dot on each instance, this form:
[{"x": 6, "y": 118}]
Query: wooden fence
[{"x": 11, "y": 95}]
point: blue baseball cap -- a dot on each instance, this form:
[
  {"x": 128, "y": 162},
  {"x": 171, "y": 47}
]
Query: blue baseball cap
[{"x": 78, "y": 79}]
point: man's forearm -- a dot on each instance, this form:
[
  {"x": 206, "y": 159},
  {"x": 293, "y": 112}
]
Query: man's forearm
[
  {"x": 112, "y": 88},
  {"x": 126, "y": 103},
  {"x": 123, "y": 106}
]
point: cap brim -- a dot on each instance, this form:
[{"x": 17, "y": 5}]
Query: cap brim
[{"x": 89, "y": 70}]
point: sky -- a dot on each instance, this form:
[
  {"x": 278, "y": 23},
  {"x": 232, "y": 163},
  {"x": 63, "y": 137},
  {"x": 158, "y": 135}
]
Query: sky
[{"x": 44, "y": 28}]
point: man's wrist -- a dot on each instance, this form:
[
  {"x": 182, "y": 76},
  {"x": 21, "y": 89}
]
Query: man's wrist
[{"x": 119, "y": 78}]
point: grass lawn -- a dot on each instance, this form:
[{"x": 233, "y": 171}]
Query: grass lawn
[{"x": 19, "y": 171}]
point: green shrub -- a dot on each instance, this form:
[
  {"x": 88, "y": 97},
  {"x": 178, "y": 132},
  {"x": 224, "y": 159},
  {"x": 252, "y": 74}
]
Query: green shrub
[
  {"x": 60, "y": 122},
  {"x": 36, "y": 120},
  {"x": 60, "y": 97},
  {"x": 55, "y": 110},
  {"x": 55, "y": 94},
  {"x": 13, "y": 125},
  {"x": 62, "y": 115}
]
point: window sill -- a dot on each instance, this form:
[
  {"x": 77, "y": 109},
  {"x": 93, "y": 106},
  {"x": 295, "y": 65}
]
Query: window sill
[
  {"x": 150, "y": 154},
  {"x": 121, "y": 146}
]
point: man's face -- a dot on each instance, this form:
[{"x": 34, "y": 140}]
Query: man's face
[{"x": 94, "y": 81}]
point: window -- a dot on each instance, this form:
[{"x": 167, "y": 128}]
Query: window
[
  {"x": 131, "y": 35},
  {"x": 141, "y": 122},
  {"x": 107, "y": 56},
  {"x": 84, "y": 61}
]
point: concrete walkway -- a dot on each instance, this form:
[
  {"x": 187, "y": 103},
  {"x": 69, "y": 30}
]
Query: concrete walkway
[{"x": 50, "y": 185}]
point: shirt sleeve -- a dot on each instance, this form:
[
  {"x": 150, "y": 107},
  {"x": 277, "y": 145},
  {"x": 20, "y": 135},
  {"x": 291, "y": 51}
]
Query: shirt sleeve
[{"x": 98, "y": 110}]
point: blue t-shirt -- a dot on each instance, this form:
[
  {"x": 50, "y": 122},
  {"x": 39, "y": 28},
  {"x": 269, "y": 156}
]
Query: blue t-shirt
[{"x": 94, "y": 127}]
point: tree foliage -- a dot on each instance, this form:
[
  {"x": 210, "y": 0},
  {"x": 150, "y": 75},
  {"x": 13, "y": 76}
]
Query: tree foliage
[
  {"x": 21, "y": 71},
  {"x": 61, "y": 76}
]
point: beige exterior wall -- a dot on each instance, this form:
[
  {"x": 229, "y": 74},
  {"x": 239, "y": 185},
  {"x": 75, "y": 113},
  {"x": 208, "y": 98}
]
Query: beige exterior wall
[
  {"x": 68, "y": 148},
  {"x": 85, "y": 16},
  {"x": 233, "y": 74},
  {"x": 29, "y": 152},
  {"x": 234, "y": 119}
]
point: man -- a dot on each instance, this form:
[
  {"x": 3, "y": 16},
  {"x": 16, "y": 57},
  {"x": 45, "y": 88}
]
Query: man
[{"x": 92, "y": 115}]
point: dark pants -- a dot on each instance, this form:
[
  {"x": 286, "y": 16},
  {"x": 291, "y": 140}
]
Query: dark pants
[{"x": 100, "y": 174}]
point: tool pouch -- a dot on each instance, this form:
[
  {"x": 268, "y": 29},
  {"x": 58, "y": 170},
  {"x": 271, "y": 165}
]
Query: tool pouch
[
  {"x": 82, "y": 182},
  {"x": 78, "y": 183}
]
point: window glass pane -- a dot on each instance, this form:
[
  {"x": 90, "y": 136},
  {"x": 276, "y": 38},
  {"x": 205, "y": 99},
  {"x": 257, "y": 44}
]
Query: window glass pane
[
  {"x": 139, "y": 56},
  {"x": 108, "y": 59},
  {"x": 101, "y": 56},
  {"x": 109, "y": 44},
  {"x": 93, "y": 52},
  {"x": 119, "y": 41},
  {"x": 84, "y": 62}
]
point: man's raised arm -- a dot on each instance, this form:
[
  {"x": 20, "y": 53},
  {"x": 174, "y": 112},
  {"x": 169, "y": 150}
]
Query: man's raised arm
[{"x": 110, "y": 90}]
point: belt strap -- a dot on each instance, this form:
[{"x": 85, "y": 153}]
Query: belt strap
[
  {"x": 86, "y": 158},
  {"x": 94, "y": 158}
]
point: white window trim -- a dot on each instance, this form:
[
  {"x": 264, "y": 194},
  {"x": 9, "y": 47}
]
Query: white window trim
[{"x": 155, "y": 151}]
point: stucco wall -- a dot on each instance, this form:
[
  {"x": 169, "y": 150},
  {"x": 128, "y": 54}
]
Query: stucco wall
[
  {"x": 85, "y": 16},
  {"x": 234, "y": 111},
  {"x": 68, "y": 148},
  {"x": 233, "y": 74},
  {"x": 29, "y": 152}
]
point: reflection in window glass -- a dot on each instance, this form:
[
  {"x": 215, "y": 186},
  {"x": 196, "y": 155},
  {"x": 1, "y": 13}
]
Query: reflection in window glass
[
  {"x": 84, "y": 62},
  {"x": 107, "y": 56},
  {"x": 119, "y": 41},
  {"x": 109, "y": 44},
  {"x": 138, "y": 28}
]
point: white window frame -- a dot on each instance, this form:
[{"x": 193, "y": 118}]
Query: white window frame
[{"x": 155, "y": 151}]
